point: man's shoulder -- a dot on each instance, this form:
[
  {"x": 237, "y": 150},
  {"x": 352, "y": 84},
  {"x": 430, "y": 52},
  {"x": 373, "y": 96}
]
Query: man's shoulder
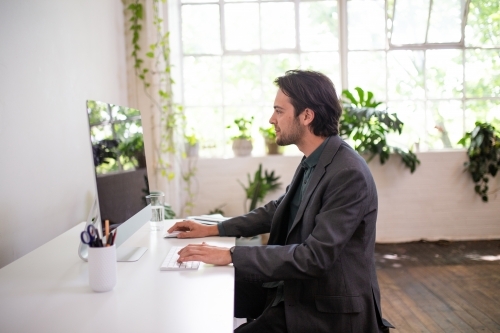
[{"x": 339, "y": 152}]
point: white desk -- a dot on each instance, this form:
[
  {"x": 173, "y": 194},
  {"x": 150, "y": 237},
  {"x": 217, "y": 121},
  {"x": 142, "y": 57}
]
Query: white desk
[{"x": 47, "y": 290}]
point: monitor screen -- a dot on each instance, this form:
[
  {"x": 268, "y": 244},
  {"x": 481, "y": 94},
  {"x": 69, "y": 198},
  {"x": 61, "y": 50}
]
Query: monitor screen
[{"x": 119, "y": 161}]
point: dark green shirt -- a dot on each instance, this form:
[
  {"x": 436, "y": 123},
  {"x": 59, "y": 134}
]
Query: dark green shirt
[{"x": 308, "y": 164}]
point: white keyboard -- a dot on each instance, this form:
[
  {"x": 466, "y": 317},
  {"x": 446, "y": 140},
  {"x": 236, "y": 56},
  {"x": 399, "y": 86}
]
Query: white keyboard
[{"x": 170, "y": 263}]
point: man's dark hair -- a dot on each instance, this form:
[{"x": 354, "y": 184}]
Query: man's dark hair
[{"x": 313, "y": 90}]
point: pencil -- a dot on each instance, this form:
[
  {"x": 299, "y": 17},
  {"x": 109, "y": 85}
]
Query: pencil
[{"x": 106, "y": 228}]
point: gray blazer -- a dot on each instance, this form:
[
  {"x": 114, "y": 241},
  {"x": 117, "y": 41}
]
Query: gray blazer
[{"x": 326, "y": 260}]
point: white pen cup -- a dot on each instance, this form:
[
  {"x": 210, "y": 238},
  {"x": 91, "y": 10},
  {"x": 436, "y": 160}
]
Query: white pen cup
[{"x": 102, "y": 268}]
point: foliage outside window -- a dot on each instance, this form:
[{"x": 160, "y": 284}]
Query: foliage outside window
[{"x": 439, "y": 74}]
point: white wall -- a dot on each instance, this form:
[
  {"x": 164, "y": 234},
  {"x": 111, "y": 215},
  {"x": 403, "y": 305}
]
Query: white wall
[
  {"x": 435, "y": 202},
  {"x": 55, "y": 54}
]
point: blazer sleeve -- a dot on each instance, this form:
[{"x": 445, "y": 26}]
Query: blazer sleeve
[
  {"x": 257, "y": 222},
  {"x": 334, "y": 214}
]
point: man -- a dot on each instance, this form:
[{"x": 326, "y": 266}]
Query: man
[{"x": 317, "y": 273}]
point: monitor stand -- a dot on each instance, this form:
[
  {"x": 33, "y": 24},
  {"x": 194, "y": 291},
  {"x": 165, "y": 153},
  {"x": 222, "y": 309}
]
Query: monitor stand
[
  {"x": 130, "y": 253},
  {"x": 123, "y": 254}
]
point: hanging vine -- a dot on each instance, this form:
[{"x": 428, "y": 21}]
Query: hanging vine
[{"x": 172, "y": 117}]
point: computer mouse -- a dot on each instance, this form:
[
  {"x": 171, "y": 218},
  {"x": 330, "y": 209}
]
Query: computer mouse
[{"x": 173, "y": 234}]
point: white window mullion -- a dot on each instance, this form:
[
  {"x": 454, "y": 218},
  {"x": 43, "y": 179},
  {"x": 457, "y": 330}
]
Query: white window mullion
[
  {"x": 222, "y": 26},
  {"x": 343, "y": 51},
  {"x": 180, "y": 81},
  {"x": 297, "y": 26},
  {"x": 222, "y": 56}
]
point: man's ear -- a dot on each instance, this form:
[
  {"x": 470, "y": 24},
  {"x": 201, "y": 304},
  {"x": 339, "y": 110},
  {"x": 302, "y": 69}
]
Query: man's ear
[{"x": 307, "y": 116}]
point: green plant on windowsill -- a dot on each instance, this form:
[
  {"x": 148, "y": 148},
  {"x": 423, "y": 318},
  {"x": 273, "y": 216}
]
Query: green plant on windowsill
[
  {"x": 368, "y": 127},
  {"x": 192, "y": 144},
  {"x": 483, "y": 151},
  {"x": 244, "y": 127},
  {"x": 191, "y": 139},
  {"x": 259, "y": 186},
  {"x": 269, "y": 135},
  {"x": 242, "y": 141},
  {"x": 132, "y": 149}
]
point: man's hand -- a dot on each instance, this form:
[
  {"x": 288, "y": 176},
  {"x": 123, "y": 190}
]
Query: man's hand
[
  {"x": 205, "y": 253},
  {"x": 191, "y": 229}
]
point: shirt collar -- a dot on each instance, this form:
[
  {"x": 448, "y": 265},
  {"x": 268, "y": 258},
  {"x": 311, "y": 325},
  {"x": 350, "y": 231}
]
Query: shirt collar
[{"x": 312, "y": 160}]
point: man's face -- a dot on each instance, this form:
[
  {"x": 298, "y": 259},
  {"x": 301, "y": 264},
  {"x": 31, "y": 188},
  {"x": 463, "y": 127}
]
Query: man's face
[{"x": 288, "y": 128}]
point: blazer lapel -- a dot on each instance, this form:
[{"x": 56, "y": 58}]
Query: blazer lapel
[{"x": 326, "y": 158}]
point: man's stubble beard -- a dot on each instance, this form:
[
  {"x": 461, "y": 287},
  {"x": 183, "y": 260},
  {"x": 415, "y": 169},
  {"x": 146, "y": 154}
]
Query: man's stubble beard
[{"x": 293, "y": 137}]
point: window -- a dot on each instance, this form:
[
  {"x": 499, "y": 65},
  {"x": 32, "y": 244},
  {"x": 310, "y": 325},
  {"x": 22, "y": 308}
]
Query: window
[{"x": 438, "y": 72}]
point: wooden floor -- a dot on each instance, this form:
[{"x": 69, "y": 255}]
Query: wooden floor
[{"x": 441, "y": 286}]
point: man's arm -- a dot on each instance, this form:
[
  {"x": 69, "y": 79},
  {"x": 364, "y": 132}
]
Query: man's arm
[{"x": 256, "y": 222}]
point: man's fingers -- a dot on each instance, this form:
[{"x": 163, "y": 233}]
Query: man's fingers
[
  {"x": 194, "y": 250},
  {"x": 191, "y": 258},
  {"x": 205, "y": 253},
  {"x": 185, "y": 225},
  {"x": 191, "y": 255},
  {"x": 177, "y": 226},
  {"x": 191, "y": 248}
]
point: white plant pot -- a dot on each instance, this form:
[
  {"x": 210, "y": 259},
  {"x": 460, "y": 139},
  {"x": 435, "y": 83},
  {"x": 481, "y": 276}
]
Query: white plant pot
[
  {"x": 192, "y": 150},
  {"x": 242, "y": 147}
]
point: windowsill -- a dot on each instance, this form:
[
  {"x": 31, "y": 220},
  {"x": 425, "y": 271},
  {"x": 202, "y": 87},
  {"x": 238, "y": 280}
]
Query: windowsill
[{"x": 432, "y": 151}]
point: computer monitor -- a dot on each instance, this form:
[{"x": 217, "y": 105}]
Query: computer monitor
[{"x": 121, "y": 180}]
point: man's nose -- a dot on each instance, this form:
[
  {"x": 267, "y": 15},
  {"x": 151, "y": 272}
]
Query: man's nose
[{"x": 271, "y": 120}]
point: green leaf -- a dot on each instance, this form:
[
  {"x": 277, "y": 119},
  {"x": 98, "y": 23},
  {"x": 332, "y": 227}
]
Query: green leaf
[
  {"x": 361, "y": 95},
  {"x": 259, "y": 186},
  {"x": 349, "y": 96}
]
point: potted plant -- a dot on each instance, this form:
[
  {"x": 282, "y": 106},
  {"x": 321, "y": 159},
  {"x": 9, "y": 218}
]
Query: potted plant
[
  {"x": 192, "y": 144},
  {"x": 483, "y": 151},
  {"x": 259, "y": 186},
  {"x": 367, "y": 127},
  {"x": 242, "y": 142},
  {"x": 255, "y": 191},
  {"x": 269, "y": 135},
  {"x": 132, "y": 150}
]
